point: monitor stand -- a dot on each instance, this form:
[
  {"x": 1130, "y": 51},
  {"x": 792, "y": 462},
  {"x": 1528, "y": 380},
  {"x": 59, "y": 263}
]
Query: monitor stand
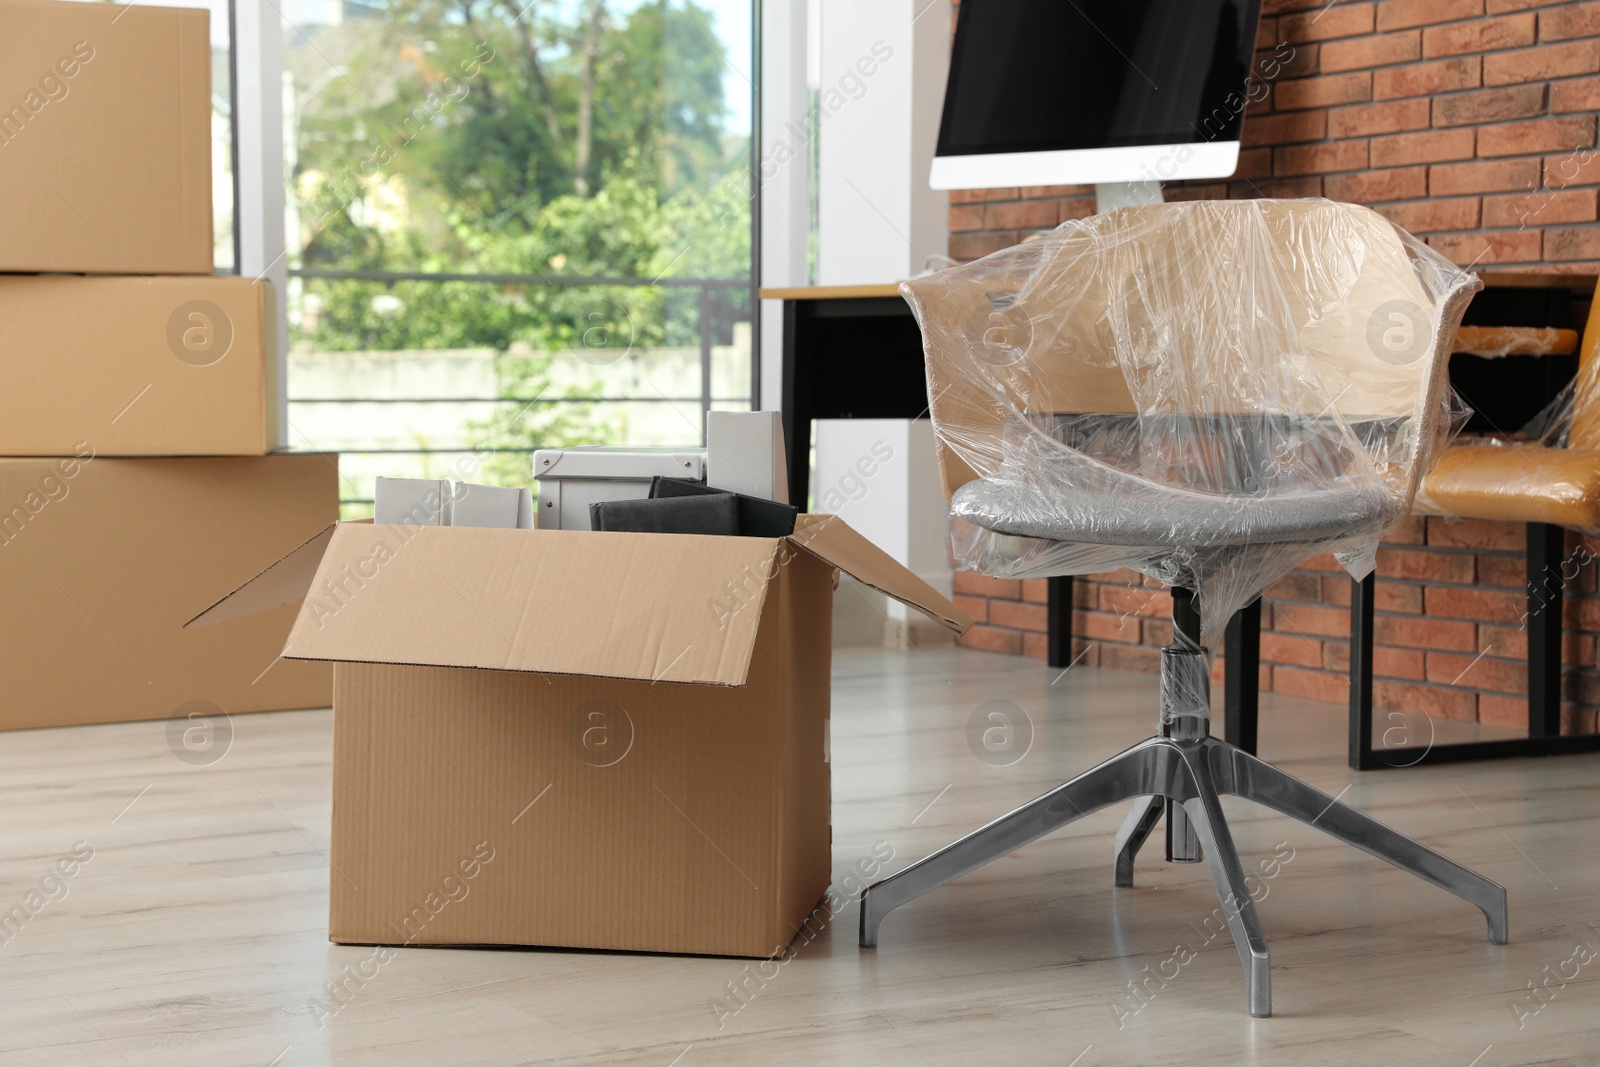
[{"x": 1111, "y": 195}]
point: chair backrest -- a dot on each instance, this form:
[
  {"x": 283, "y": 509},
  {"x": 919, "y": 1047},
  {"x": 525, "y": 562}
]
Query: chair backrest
[
  {"x": 1233, "y": 313},
  {"x": 1585, "y": 432}
]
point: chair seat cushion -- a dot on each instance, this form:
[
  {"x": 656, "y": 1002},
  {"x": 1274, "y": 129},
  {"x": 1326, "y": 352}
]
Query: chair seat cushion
[
  {"x": 1520, "y": 483},
  {"x": 1133, "y": 512}
]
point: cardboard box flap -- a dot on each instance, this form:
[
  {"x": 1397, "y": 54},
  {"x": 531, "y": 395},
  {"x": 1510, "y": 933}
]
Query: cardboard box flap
[
  {"x": 285, "y": 582},
  {"x": 652, "y": 607},
  {"x": 831, "y": 539}
]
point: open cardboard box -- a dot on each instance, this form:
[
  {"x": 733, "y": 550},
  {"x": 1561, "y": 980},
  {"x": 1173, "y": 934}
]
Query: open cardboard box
[{"x": 576, "y": 739}]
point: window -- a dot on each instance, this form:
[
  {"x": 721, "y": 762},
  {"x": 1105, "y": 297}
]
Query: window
[{"x": 514, "y": 227}]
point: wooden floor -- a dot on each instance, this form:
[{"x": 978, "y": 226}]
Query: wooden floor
[{"x": 195, "y": 934}]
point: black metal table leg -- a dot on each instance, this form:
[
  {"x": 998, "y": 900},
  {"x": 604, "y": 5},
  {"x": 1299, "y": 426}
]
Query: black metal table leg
[
  {"x": 1241, "y": 681},
  {"x": 1546, "y": 547},
  {"x": 1363, "y": 598},
  {"x": 1058, "y": 620}
]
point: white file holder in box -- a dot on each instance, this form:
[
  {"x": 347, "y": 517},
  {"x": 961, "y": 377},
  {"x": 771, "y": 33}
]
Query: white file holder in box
[{"x": 570, "y": 479}]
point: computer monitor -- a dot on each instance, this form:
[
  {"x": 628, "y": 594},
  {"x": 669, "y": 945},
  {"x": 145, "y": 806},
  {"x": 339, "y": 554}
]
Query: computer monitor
[{"x": 1070, "y": 92}]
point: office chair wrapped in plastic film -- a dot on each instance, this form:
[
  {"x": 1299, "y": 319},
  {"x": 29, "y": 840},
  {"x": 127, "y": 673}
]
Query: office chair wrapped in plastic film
[{"x": 1207, "y": 392}]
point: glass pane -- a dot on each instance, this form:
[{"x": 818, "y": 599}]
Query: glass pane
[{"x": 518, "y": 226}]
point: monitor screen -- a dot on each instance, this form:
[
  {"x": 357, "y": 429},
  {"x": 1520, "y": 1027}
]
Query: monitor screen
[{"x": 1053, "y": 75}]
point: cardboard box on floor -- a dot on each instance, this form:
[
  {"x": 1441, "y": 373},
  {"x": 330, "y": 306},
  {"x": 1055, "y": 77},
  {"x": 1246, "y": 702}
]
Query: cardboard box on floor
[
  {"x": 576, "y": 739},
  {"x": 102, "y": 561},
  {"x": 166, "y": 366},
  {"x": 105, "y": 138}
]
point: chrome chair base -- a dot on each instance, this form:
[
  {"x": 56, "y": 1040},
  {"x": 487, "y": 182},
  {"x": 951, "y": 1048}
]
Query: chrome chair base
[{"x": 1192, "y": 775}]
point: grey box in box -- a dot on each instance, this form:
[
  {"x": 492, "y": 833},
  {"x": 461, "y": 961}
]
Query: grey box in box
[{"x": 570, "y": 479}]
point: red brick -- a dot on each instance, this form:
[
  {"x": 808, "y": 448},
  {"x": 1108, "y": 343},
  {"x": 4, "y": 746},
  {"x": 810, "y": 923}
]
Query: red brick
[
  {"x": 1286, "y": 129},
  {"x": 1336, "y": 655},
  {"x": 1544, "y": 208},
  {"x": 1432, "y": 216},
  {"x": 1501, "y": 7},
  {"x": 1497, "y": 177},
  {"x": 1135, "y": 601},
  {"x": 1291, "y": 648},
  {"x": 1398, "y": 596},
  {"x": 1407, "y": 663},
  {"x": 1404, "y": 14},
  {"x": 1478, "y": 672},
  {"x": 966, "y": 217},
  {"x": 1572, "y": 20},
  {"x": 1476, "y": 249},
  {"x": 1542, "y": 135},
  {"x": 1323, "y": 91},
  {"x": 1020, "y": 215},
  {"x": 1014, "y": 615},
  {"x": 1285, "y": 188},
  {"x": 1413, "y": 530},
  {"x": 1076, "y": 207},
  {"x": 1104, "y": 626},
  {"x": 978, "y": 196},
  {"x": 1367, "y": 119},
  {"x": 1502, "y": 571},
  {"x": 1487, "y": 605},
  {"x": 1043, "y": 192},
  {"x": 1571, "y": 242},
  {"x": 968, "y": 246},
  {"x": 1277, "y": 7},
  {"x": 989, "y": 639},
  {"x": 1331, "y": 20},
  {"x": 973, "y": 584},
  {"x": 1477, "y": 533},
  {"x": 1424, "y": 79},
  {"x": 976, "y": 606},
  {"x": 1157, "y": 633},
  {"x": 1326, "y": 686},
  {"x": 1425, "y": 565},
  {"x": 1579, "y": 721},
  {"x": 1322, "y": 561},
  {"x": 1214, "y": 191},
  {"x": 1578, "y": 94},
  {"x": 1336, "y": 591},
  {"x": 1320, "y": 158},
  {"x": 1438, "y": 146},
  {"x": 1509, "y": 712},
  {"x": 1375, "y": 186},
  {"x": 1478, "y": 35},
  {"x": 1424, "y": 633},
  {"x": 1541, "y": 64},
  {"x": 1364, "y": 53},
  {"x": 1036, "y": 646},
  {"x": 1298, "y": 585},
  {"x": 1036, "y": 590},
  {"x": 1085, "y": 653},
  {"x": 1437, "y": 701},
  {"x": 1310, "y": 620},
  {"x": 1489, "y": 105},
  {"x": 1506, "y": 642},
  {"x": 1580, "y": 167},
  {"x": 1288, "y": 61},
  {"x": 1136, "y": 658}
]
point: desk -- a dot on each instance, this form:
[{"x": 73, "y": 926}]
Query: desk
[{"x": 855, "y": 352}]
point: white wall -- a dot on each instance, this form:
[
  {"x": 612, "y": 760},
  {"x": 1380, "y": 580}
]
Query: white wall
[{"x": 883, "y": 65}]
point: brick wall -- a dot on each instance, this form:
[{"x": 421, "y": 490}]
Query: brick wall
[{"x": 1470, "y": 123}]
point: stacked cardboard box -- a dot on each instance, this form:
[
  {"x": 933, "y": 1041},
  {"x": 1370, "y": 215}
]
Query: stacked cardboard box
[{"x": 138, "y": 391}]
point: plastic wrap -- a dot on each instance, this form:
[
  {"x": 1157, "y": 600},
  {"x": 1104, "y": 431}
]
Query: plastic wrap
[
  {"x": 1207, "y": 392},
  {"x": 1549, "y": 471}
]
